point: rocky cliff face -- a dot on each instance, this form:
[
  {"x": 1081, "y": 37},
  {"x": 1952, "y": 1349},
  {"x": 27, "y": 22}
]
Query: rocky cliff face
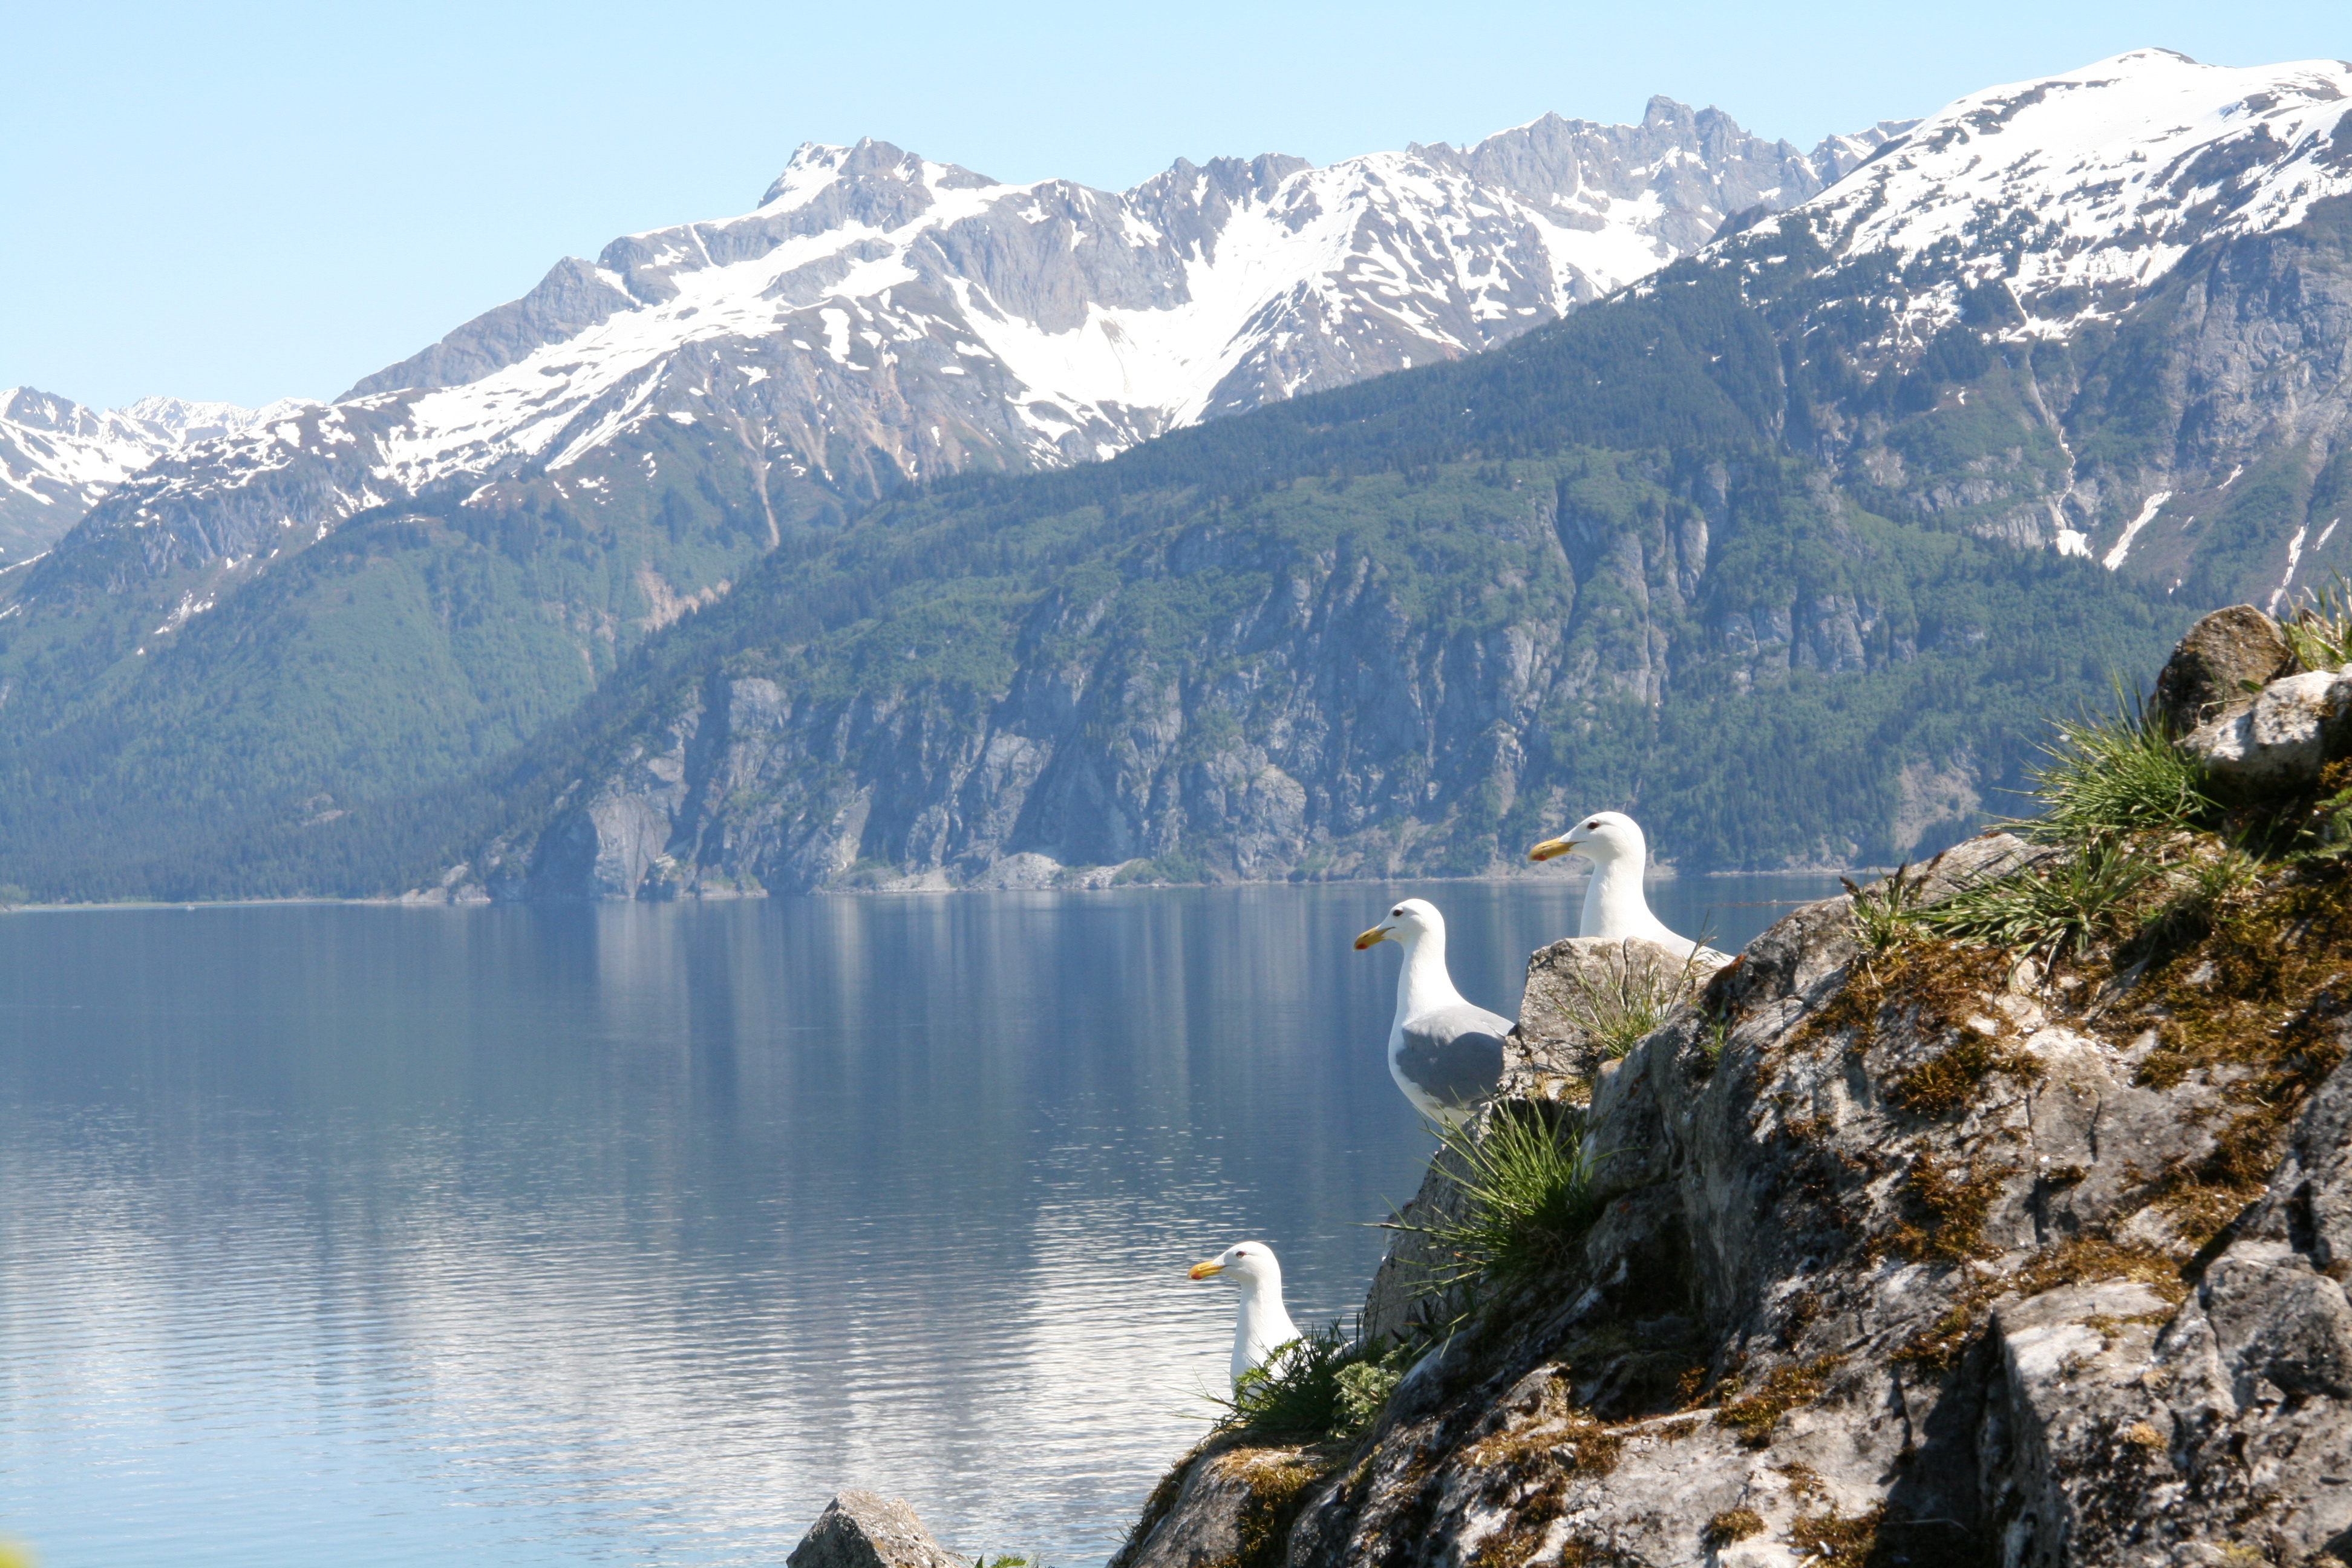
[
  {"x": 2140, "y": 272},
  {"x": 2106, "y": 317},
  {"x": 1940, "y": 1257},
  {"x": 1360, "y": 679}
]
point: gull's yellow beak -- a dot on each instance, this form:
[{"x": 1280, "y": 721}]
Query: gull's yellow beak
[
  {"x": 1374, "y": 937},
  {"x": 1202, "y": 1270},
  {"x": 1551, "y": 847}
]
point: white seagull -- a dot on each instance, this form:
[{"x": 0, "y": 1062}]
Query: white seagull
[
  {"x": 1613, "y": 905},
  {"x": 1445, "y": 1053},
  {"x": 1260, "y": 1325}
]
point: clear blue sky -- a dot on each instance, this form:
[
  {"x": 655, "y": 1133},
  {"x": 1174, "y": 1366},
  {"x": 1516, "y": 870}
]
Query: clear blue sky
[{"x": 248, "y": 201}]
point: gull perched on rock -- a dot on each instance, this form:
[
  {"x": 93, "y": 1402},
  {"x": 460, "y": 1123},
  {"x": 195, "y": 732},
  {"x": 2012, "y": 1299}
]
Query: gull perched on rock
[
  {"x": 1260, "y": 1325},
  {"x": 1614, "y": 907},
  {"x": 1445, "y": 1053}
]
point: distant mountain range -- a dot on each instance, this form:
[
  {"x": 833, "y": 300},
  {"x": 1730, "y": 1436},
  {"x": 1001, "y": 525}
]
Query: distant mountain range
[
  {"x": 1699, "y": 462},
  {"x": 880, "y": 318},
  {"x": 58, "y": 459}
]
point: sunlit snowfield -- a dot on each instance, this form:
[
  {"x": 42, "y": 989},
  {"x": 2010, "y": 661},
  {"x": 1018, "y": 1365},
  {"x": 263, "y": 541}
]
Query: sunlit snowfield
[{"x": 629, "y": 1234}]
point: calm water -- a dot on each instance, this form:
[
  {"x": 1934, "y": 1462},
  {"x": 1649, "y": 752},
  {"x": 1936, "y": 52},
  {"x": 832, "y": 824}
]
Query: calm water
[{"x": 629, "y": 1234}]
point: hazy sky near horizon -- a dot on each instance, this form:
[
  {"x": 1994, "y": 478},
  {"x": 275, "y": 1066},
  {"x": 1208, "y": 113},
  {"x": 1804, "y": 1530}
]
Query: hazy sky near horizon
[{"x": 251, "y": 201}]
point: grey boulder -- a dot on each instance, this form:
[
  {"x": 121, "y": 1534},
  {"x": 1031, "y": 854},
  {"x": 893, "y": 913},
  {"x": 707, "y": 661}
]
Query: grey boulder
[
  {"x": 863, "y": 1530},
  {"x": 2292, "y": 729},
  {"x": 2207, "y": 676}
]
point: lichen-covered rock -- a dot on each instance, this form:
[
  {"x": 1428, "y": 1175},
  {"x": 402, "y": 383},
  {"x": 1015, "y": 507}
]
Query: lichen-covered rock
[
  {"x": 863, "y": 1530},
  {"x": 2208, "y": 673},
  {"x": 1576, "y": 987},
  {"x": 1232, "y": 1509},
  {"x": 1923, "y": 1254},
  {"x": 2295, "y": 726}
]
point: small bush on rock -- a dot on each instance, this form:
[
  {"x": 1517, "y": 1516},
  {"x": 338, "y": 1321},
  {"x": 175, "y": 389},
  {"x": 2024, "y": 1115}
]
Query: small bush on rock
[{"x": 1323, "y": 1387}]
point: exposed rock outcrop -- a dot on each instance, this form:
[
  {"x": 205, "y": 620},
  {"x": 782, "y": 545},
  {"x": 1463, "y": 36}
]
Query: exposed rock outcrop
[
  {"x": 2291, "y": 728},
  {"x": 2208, "y": 673},
  {"x": 863, "y": 1530},
  {"x": 1918, "y": 1253}
]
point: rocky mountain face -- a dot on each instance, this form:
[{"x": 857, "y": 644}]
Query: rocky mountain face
[
  {"x": 2039, "y": 319},
  {"x": 1375, "y": 676},
  {"x": 57, "y": 459},
  {"x": 2108, "y": 313}
]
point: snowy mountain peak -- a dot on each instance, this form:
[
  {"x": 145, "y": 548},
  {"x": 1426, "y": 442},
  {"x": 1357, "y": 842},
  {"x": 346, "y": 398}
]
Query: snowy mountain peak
[
  {"x": 2076, "y": 192},
  {"x": 881, "y": 315}
]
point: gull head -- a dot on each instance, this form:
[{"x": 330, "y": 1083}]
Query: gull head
[
  {"x": 1604, "y": 837},
  {"x": 1245, "y": 1263},
  {"x": 1407, "y": 923}
]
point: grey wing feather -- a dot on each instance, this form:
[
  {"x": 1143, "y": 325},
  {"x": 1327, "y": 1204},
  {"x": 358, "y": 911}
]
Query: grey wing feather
[{"x": 1456, "y": 1055}]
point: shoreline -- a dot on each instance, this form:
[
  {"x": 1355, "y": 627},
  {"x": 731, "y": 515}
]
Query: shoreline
[{"x": 1654, "y": 875}]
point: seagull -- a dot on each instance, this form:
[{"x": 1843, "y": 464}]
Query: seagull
[
  {"x": 1260, "y": 1325},
  {"x": 1443, "y": 1052},
  {"x": 1613, "y": 905}
]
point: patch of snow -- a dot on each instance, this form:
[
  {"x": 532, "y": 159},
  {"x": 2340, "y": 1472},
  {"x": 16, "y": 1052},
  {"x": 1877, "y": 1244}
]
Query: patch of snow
[
  {"x": 2131, "y": 530},
  {"x": 2098, "y": 179},
  {"x": 2294, "y": 560}
]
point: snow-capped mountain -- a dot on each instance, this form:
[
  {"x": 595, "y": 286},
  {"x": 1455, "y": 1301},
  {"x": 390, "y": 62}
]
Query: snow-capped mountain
[
  {"x": 2072, "y": 195},
  {"x": 58, "y": 458},
  {"x": 881, "y": 316},
  {"x": 2139, "y": 272}
]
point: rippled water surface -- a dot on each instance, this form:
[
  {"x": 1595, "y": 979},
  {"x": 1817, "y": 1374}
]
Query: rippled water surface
[{"x": 629, "y": 1234}]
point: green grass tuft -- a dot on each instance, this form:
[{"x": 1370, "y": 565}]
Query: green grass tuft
[
  {"x": 1886, "y": 914},
  {"x": 1627, "y": 1002},
  {"x": 2054, "y": 909},
  {"x": 1529, "y": 1195},
  {"x": 2111, "y": 776},
  {"x": 2320, "y": 630}
]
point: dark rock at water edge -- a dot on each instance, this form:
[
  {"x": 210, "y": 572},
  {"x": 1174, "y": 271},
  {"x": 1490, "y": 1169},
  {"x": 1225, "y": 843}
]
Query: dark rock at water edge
[{"x": 863, "y": 1530}]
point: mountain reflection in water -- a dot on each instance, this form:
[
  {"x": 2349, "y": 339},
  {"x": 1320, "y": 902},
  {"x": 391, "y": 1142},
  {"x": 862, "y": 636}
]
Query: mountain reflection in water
[{"x": 630, "y": 1233}]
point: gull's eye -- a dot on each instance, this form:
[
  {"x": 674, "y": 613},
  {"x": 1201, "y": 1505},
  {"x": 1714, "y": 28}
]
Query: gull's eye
[{"x": 1594, "y": 826}]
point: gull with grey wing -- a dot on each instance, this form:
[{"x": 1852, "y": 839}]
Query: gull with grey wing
[{"x": 1444, "y": 1052}]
